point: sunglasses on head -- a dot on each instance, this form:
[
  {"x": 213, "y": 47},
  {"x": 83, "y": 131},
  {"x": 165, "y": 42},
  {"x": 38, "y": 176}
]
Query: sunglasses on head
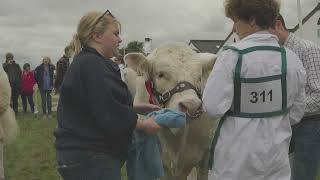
[{"x": 105, "y": 13}]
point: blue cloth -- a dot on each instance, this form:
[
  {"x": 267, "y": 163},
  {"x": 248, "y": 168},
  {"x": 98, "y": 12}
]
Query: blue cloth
[{"x": 144, "y": 162}]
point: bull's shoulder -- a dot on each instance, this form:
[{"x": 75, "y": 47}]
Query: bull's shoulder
[
  {"x": 8, "y": 126},
  {"x": 5, "y": 91}
]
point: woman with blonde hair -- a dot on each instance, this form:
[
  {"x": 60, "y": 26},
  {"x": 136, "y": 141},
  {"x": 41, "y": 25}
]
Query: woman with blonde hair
[
  {"x": 257, "y": 87},
  {"x": 44, "y": 77},
  {"x": 95, "y": 114}
]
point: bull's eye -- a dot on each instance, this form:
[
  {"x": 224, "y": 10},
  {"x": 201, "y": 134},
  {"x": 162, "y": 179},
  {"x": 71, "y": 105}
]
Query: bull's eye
[{"x": 161, "y": 75}]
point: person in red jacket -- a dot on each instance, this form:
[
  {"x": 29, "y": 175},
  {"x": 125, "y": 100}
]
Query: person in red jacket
[{"x": 27, "y": 86}]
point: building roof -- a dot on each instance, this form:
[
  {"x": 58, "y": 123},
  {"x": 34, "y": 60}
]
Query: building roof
[
  {"x": 224, "y": 41},
  {"x": 317, "y": 8},
  {"x": 210, "y": 46}
]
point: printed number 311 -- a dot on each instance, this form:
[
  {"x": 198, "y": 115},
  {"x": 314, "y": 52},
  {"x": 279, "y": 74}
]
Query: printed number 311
[{"x": 256, "y": 96}]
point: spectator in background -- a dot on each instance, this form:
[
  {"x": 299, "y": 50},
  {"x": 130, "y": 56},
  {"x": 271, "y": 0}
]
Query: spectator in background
[
  {"x": 119, "y": 60},
  {"x": 305, "y": 135},
  {"x": 62, "y": 67},
  {"x": 13, "y": 71},
  {"x": 27, "y": 86},
  {"x": 44, "y": 78}
]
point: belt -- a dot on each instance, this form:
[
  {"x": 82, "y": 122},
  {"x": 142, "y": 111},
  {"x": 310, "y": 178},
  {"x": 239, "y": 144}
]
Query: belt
[{"x": 315, "y": 117}]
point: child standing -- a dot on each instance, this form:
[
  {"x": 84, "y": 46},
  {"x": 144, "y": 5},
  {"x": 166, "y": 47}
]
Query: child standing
[{"x": 27, "y": 84}]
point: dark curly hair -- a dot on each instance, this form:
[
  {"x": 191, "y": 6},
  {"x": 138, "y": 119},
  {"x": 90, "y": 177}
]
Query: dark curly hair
[
  {"x": 264, "y": 12},
  {"x": 25, "y": 66},
  {"x": 9, "y": 55}
]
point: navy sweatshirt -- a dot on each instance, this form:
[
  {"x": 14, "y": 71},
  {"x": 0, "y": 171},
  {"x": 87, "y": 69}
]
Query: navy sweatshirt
[{"x": 95, "y": 110}]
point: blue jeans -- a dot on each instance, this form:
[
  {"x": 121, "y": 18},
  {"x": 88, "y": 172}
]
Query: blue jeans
[
  {"x": 88, "y": 165},
  {"x": 306, "y": 141},
  {"x": 46, "y": 101}
]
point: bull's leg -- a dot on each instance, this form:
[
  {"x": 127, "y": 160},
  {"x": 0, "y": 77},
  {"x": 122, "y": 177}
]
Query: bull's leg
[
  {"x": 202, "y": 169},
  {"x": 202, "y": 174},
  {"x": 168, "y": 176},
  {"x": 183, "y": 177}
]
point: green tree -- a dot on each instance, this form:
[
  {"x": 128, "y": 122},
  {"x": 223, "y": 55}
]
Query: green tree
[{"x": 133, "y": 46}]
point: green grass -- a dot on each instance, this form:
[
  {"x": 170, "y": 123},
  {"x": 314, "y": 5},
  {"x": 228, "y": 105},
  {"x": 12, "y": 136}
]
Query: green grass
[{"x": 32, "y": 156}]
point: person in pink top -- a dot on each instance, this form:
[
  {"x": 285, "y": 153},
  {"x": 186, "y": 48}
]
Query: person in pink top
[{"x": 27, "y": 86}]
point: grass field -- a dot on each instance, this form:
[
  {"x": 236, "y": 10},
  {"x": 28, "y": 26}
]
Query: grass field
[{"x": 32, "y": 156}]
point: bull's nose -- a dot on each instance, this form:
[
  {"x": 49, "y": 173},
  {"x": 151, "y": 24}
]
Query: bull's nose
[{"x": 190, "y": 105}]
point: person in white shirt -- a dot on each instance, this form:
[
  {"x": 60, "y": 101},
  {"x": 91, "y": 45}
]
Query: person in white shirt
[
  {"x": 306, "y": 134},
  {"x": 257, "y": 88},
  {"x": 119, "y": 60}
]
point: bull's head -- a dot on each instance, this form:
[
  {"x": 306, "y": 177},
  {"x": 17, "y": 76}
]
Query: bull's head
[{"x": 177, "y": 72}]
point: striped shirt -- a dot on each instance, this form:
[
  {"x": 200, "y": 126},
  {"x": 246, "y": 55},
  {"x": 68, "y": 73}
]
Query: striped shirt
[{"x": 309, "y": 54}]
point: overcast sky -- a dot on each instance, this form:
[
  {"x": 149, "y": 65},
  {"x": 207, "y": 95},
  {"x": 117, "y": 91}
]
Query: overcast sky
[{"x": 35, "y": 28}]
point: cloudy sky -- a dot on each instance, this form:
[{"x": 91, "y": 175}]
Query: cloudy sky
[{"x": 35, "y": 28}]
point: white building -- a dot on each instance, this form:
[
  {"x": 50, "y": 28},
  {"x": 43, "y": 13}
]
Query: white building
[
  {"x": 147, "y": 46},
  {"x": 205, "y": 46}
]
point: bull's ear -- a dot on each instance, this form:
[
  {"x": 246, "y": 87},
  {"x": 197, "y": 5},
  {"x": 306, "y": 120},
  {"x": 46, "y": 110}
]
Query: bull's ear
[
  {"x": 207, "y": 61},
  {"x": 138, "y": 62}
]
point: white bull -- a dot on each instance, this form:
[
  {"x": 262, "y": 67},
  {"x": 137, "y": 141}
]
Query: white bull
[
  {"x": 8, "y": 124},
  {"x": 166, "y": 66}
]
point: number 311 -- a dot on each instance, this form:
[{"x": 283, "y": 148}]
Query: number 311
[{"x": 255, "y": 96}]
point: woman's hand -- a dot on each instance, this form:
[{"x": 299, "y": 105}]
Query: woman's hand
[
  {"x": 149, "y": 126},
  {"x": 145, "y": 108}
]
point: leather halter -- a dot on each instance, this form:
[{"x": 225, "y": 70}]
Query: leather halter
[{"x": 181, "y": 86}]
